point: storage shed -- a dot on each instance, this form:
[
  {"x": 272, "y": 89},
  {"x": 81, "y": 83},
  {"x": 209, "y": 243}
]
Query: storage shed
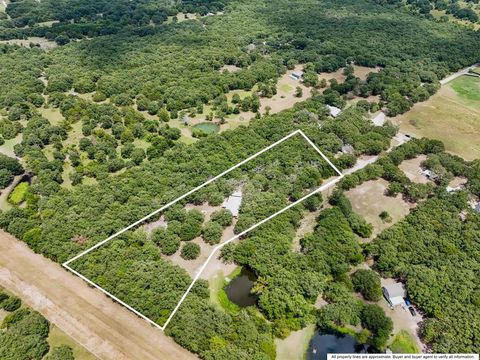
[{"x": 394, "y": 293}]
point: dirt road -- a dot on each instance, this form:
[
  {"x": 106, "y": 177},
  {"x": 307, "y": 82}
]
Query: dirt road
[
  {"x": 103, "y": 327},
  {"x": 457, "y": 74}
]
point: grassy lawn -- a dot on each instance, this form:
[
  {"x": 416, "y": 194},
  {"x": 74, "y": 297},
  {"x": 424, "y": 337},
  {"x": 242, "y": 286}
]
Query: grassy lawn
[
  {"x": 285, "y": 88},
  {"x": 187, "y": 140},
  {"x": 218, "y": 296},
  {"x": 468, "y": 88},
  {"x": 404, "y": 343},
  {"x": 51, "y": 114},
  {"x": 7, "y": 148},
  {"x": 369, "y": 200},
  {"x": 17, "y": 196},
  {"x": 242, "y": 93},
  {"x": 295, "y": 346},
  {"x": 452, "y": 116},
  {"x": 67, "y": 169},
  {"x": 57, "y": 337}
]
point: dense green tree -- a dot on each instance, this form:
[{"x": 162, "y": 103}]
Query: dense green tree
[
  {"x": 190, "y": 251},
  {"x": 367, "y": 282}
]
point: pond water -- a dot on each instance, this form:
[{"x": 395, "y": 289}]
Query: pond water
[
  {"x": 238, "y": 290},
  {"x": 208, "y": 127},
  {"x": 322, "y": 344}
]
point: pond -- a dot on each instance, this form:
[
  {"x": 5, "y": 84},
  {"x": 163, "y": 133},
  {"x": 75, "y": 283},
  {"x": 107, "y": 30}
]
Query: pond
[
  {"x": 207, "y": 127},
  {"x": 238, "y": 290},
  {"x": 322, "y": 344}
]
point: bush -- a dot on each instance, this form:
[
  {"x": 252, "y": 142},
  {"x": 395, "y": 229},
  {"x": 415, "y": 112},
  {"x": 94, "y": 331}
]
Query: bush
[
  {"x": 385, "y": 216},
  {"x": 314, "y": 202},
  {"x": 6, "y": 178},
  {"x": 11, "y": 304},
  {"x": 374, "y": 319},
  {"x": 212, "y": 232},
  {"x": 223, "y": 217},
  {"x": 166, "y": 240},
  {"x": 367, "y": 282},
  {"x": 190, "y": 251},
  {"x": 61, "y": 353},
  {"x": 3, "y": 297}
]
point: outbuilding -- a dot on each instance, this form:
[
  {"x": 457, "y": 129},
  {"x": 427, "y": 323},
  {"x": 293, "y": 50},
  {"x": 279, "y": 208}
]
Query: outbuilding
[
  {"x": 233, "y": 202},
  {"x": 394, "y": 293},
  {"x": 297, "y": 75},
  {"x": 334, "y": 111}
]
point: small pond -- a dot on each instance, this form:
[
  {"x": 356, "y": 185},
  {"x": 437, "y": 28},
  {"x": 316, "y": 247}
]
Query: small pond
[
  {"x": 208, "y": 127},
  {"x": 238, "y": 290},
  {"x": 322, "y": 344}
]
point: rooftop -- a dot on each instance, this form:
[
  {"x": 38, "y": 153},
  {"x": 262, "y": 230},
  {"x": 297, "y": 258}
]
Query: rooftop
[{"x": 334, "y": 111}]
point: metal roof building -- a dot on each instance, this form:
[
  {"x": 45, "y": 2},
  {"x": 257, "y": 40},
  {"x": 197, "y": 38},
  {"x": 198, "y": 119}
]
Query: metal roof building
[
  {"x": 394, "y": 293},
  {"x": 233, "y": 202}
]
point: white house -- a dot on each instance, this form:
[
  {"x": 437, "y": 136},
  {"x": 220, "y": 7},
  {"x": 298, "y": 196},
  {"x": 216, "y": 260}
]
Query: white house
[{"x": 334, "y": 111}]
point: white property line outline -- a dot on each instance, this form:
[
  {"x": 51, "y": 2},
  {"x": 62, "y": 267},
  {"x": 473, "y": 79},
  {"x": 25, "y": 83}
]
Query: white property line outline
[{"x": 218, "y": 247}]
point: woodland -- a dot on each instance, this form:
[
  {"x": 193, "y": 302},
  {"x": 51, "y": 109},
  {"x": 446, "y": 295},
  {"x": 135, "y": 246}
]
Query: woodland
[{"x": 121, "y": 75}]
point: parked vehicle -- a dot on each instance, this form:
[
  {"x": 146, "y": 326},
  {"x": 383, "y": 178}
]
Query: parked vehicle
[
  {"x": 412, "y": 311},
  {"x": 407, "y": 302}
]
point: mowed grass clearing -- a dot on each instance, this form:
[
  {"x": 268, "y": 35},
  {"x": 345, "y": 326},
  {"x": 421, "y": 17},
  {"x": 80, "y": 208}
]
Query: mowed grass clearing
[
  {"x": 57, "y": 337},
  {"x": 452, "y": 116},
  {"x": 294, "y": 346},
  {"x": 404, "y": 343},
  {"x": 369, "y": 200}
]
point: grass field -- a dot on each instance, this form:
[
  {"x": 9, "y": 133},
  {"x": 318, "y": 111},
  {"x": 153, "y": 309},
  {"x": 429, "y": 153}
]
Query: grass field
[
  {"x": 369, "y": 200},
  {"x": 218, "y": 296},
  {"x": 295, "y": 346},
  {"x": 452, "y": 116},
  {"x": 404, "y": 343},
  {"x": 57, "y": 338},
  {"x": 17, "y": 196},
  {"x": 7, "y": 148}
]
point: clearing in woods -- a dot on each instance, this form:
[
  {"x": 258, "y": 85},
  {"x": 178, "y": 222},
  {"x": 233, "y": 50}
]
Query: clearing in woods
[{"x": 369, "y": 200}]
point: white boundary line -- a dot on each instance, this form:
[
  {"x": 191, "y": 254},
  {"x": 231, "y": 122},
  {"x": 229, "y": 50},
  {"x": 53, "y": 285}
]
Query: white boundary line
[{"x": 199, "y": 272}]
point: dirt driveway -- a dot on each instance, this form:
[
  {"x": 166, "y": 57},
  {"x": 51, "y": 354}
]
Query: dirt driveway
[{"x": 105, "y": 328}]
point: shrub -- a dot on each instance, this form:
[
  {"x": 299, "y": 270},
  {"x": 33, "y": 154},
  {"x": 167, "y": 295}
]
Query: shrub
[
  {"x": 212, "y": 232},
  {"x": 367, "y": 282},
  {"x": 166, "y": 240},
  {"x": 11, "y": 304},
  {"x": 190, "y": 251},
  {"x": 3, "y": 297},
  {"x": 374, "y": 319},
  {"x": 61, "y": 353},
  {"x": 314, "y": 202},
  {"x": 385, "y": 216},
  {"x": 222, "y": 217}
]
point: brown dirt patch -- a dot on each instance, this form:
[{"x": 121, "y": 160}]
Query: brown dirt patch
[
  {"x": 369, "y": 200},
  {"x": 45, "y": 44},
  {"x": 413, "y": 170}
]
